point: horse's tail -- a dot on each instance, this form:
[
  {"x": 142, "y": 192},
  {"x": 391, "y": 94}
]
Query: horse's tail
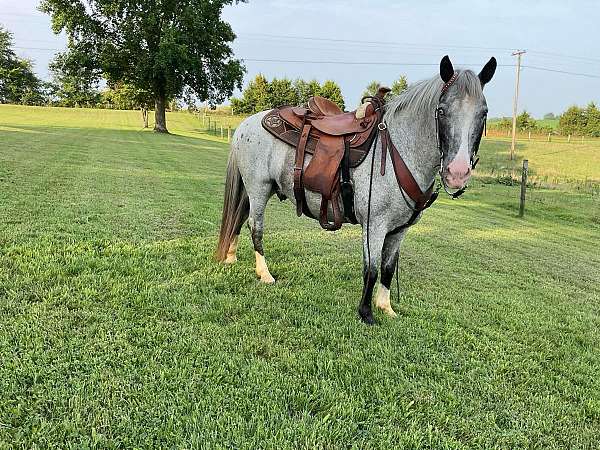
[{"x": 236, "y": 207}]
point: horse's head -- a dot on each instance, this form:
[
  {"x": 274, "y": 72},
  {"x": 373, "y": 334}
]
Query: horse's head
[{"x": 460, "y": 120}]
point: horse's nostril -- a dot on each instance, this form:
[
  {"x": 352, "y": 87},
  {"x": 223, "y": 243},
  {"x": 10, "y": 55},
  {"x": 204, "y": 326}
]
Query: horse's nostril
[{"x": 459, "y": 170}]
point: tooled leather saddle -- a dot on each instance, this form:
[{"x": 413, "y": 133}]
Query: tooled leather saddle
[{"x": 338, "y": 141}]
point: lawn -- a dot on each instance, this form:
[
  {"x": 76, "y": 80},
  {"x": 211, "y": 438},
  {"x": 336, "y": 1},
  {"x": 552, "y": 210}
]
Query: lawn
[{"x": 118, "y": 330}]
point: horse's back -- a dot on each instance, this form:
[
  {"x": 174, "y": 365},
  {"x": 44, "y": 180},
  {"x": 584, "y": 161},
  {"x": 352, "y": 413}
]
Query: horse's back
[{"x": 259, "y": 155}]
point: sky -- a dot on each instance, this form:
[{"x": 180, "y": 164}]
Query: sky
[{"x": 325, "y": 39}]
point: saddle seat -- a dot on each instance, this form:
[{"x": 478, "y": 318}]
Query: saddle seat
[
  {"x": 337, "y": 141},
  {"x": 322, "y": 106}
]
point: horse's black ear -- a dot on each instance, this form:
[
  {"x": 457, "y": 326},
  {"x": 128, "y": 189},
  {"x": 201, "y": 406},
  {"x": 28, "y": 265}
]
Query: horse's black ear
[
  {"x": 488, "y": 71},
  {"x": 446, "y": 69}
]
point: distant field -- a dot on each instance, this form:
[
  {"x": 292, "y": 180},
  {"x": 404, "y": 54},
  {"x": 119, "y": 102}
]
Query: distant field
[
  {"x": 554, "y": 163},
  {"x": 118, "y": 330},
  {"x": 548, "y": 123}
]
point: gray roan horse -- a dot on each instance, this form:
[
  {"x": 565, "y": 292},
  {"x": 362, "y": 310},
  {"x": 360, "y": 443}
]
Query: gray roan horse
[{"x": 436, "y": 127}]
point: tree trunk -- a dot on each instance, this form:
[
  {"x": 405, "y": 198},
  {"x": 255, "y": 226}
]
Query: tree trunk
[
  {"x": 160, "y": 119},
  {"x": 145, "y": 116}
]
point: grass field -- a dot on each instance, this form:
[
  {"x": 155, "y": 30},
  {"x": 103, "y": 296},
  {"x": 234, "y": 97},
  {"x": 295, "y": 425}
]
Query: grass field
[{"x": 117, "y": 329}]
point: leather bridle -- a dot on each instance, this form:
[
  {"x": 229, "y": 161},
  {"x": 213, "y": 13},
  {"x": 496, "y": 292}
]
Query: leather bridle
[{"x": 473, "y": 160}]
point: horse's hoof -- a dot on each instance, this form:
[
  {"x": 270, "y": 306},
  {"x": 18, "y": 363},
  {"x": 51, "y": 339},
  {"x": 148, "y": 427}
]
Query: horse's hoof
[
  {"x": 390, "y": 312},
  {"x": 230, "y": 259},
  {"x": 267, "y": 278},
  {"x": 366, "y": 317}
]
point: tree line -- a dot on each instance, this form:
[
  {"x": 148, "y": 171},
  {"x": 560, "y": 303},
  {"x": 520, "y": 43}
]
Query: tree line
[
  {"x": 581, "y": 121},
  {"x": 262, "y": 94},
  {"x": 576, "y": 121}
]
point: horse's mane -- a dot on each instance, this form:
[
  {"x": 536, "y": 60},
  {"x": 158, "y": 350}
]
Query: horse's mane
[{"x": 422, "y": 96}]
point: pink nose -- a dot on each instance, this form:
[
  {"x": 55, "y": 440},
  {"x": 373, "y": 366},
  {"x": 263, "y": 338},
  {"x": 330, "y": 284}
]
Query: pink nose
[{"x": 458, "y": 173}]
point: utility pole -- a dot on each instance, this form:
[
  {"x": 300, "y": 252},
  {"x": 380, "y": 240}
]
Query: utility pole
[{"x": 518, "y": 54}]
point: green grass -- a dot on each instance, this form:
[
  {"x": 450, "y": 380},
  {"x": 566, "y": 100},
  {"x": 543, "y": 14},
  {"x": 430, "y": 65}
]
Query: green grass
[
  {"x": 547, "y": 123},
  {"x": 117, "y": 329},
  {"x": 555, "y": 163}
]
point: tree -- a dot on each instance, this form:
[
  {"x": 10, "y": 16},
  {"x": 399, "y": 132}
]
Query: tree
[
  {"x": 163, "y": 47},
  {"x": 592, "y": 126},
  {"x": 333, "y": 92},
  {"x": 525, "y": 122},
  {"x": 282, "y": 92},
  {"x": 255, "y": 98},
  {"x": 399, "y": 85},
  {"x": 260, "y": 94},
  {"x": 504, "y": 124},
  {"x": 18, "y": 83},
  {"x": 572, "y": 121},
  {"x": 372, "y": 89},
  {"x": 306, "y": 90},
  {"x": 71, "y": 87}
]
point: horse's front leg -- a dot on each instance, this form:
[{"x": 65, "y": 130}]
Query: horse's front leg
[
  {"x": 372, "y": 248},
  {"x": 389, "y": 261}
]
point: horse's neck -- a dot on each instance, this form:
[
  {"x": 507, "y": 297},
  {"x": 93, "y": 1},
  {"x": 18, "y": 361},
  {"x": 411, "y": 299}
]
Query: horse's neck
[{"x": 415, "y": 139}]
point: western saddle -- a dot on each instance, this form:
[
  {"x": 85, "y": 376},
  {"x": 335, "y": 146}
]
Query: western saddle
[{"x": 337, "y": 141}]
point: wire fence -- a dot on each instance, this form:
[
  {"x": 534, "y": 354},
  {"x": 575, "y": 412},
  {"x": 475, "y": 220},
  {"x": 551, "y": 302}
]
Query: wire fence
[{"x": 219, "y": 124}]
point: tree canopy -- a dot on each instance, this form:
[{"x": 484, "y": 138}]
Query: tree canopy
[
  {"x": 371, "y": 89},
  {"x": 18, "y": 83},
  {"x": 397, "y": 87},
  {"x": 70, "y": 87},
  {"x": 261, "y": 94},
  {"x": 581, "y": 121},
  {"x": 525, "y": 122},
  {"x": 163, "y": 47}
]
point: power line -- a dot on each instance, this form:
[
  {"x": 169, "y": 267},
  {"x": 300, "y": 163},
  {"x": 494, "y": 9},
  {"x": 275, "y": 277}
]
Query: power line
[
  {"x": 545, "y": 69},
  {"x": 353, "y": 41},
  {"x": 583, "y": 58},
  {"x": 364, "y": 63},
  {"x": 439, "y": 47},
  {"x": 306, "y": 61}
]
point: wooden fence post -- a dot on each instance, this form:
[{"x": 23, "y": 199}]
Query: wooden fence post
[
  {"x": 523, "y": 187},
  {"x": 228, "y": 133},
  {"x": 221, "y": 131},
  {"x": 548, "y": 137},
  {"x": 569, "y": 138},
  {"x": 529, "y": 135}
]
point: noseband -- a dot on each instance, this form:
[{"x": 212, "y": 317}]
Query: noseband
[{"x": 474, "y": 159}]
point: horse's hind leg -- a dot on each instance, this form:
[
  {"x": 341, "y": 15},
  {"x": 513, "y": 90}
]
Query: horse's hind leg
[
  {"x": 389, "y": 261},
  {"x": 258, "y": 202}
]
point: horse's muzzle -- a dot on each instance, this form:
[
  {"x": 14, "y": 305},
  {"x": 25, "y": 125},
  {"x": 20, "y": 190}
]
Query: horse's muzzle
[{"x": 457, "y": 174}]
